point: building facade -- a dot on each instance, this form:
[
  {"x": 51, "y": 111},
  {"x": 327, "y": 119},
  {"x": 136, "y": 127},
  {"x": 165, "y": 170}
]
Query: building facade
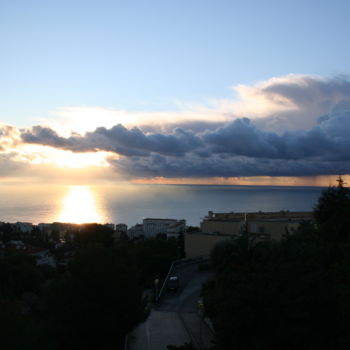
[
  {"x": 267, "y": 224},
  {"x": 152, "y": 227}
]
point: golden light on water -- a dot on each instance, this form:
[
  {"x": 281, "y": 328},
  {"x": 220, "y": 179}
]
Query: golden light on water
[{"x": 79, "y": 206}]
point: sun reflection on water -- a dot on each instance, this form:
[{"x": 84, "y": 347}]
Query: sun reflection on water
[{"x": 79, "y": 206}]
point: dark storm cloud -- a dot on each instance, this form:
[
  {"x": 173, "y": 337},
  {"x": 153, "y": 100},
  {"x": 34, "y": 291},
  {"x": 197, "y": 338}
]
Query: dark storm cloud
[
  {"x": 329, "y": 140},
  {"x": 217, "y": 166},
  {"x": 117, "y": 139},
  {"x": 239, "y": 148},
  {"x": 44, "y": 136}
]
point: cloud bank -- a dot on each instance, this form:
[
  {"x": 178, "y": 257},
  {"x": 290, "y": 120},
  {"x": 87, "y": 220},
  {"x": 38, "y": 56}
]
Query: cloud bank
[
  {"x": 328, "y": 141},
  {"x": 288, "y": 126}
]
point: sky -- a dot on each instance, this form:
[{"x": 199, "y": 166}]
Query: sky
[{"x": 174, "y": 91}]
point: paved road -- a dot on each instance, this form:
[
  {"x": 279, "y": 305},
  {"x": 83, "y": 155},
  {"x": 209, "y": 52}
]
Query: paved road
[{"x": 175, "y": 320}]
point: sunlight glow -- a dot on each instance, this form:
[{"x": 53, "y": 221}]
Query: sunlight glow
[
  {"x": 68, "y": 159},
  {"x": 79, "y": 206},
  {"x": 83, "y": 119},
  {"x": 37, "y": 154}
]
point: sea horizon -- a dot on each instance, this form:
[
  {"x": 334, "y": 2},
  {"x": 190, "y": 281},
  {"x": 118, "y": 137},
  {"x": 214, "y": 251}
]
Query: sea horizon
[{"x": 129, "y": 204}]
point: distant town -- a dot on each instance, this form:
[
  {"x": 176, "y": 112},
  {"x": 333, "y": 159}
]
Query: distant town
[{"x": 44, "y": 240}]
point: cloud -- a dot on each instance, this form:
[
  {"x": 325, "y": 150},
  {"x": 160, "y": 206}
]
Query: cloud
[
  {"x": 86, "y": 119},
  {"x": 239, "y": 148},
  {"x": 216, "y": 166},
  {"x": 9, "y": 166},
  {"x": 290, "y": 102},
  {"x": 9, "y": 137},
  {"x": 9, "y": 141},
  {"x": 117, "y": 139},
  {"x": 289, "y": 126}
]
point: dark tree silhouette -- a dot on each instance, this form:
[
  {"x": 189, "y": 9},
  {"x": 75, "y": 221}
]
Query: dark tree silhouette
[
  {"x": 96, "y": 303},
  {"x": 332, "y": 212}
]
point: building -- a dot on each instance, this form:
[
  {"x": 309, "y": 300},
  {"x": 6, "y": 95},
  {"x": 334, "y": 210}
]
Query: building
[
  {"x": 271, "y": 225},
  {"x": 152, "y": 227},
  {"x": 223, "y": 223},
  {"x": 217, "y": 227},
  {"x": 176, "y": 228},
  {"x": 120, "y": 230},
  {"x": 135, "y": 231},
  {"x": 200, "y": 244},
  {"x": 23, "y": 227}
]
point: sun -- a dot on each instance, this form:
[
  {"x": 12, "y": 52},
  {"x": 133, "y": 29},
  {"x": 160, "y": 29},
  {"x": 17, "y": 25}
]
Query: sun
[{"x": 79, "y": 206}]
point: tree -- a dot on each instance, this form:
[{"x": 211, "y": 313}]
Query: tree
[
  {"x": 97, "y": 302},
  {"x": 19, "y": 274},
  {"x": 332, "y": 213},
  {"x": 94, "y": 234},
  {"x": 153, "y": 257},
  {"x": 292, "y": 296},
  {"x": 18, "y": 330}
]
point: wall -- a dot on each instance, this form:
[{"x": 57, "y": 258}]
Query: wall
[
  {"x": 224, "y": 227},
  {"x": 275, "y": 229},
  {"x": 197, "y": 244}
]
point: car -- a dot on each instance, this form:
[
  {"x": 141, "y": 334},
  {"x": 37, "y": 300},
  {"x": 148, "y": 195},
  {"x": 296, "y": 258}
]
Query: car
[{"x": 173, "y": 282}]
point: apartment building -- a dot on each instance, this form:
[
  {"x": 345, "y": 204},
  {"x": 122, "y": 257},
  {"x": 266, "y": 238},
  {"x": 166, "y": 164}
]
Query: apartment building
[{"x": 153, "y": 226}]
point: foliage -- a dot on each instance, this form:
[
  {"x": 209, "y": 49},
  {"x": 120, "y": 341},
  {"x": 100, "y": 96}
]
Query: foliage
[
  {"x": 332, "y": 213},
  {"x": 94, "y": 234},
  {"x": 181, "y": 246},
  {"x": 19, "y": 274},
  {"x": 18, "y": 330},
  {"x": 92, "y": 303},
  {"x": 6, "y": 232},
  {"x": 153, "y": 258},
  {"x": 291, "y": 296},
  {"x": 97, "y": 302}
]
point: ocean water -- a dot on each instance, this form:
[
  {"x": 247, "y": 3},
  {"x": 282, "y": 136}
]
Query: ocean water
[{"x": 129, "y": 203}]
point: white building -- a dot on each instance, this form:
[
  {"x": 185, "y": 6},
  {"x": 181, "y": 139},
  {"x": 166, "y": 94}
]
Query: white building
[
  {"x": 176, "y": 228},
  {"x": 135, "y": 231},
  {"x": 121, "y": 228},
  {"x": 152, "y": 227}
]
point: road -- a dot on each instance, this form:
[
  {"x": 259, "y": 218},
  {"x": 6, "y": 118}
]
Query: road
[{"x": 175, "y": 320}]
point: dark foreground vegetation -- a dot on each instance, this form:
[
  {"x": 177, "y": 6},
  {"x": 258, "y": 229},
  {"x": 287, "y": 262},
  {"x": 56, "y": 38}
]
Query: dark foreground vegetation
[
  {"x": 91, "y": 303},
  {"x": 293, "y": 294}
]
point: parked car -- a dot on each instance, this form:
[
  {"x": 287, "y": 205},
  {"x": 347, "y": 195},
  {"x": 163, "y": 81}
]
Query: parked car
[{"x": 173, "y": 282}]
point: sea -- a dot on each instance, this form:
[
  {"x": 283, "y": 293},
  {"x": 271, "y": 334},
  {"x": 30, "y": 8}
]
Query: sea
[{"x": 130, "y": 203}]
